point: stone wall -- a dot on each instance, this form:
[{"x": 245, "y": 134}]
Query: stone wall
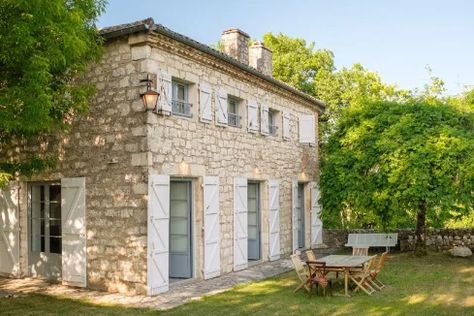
[
  {"x": 186, "y": 147},
  {"x": 441, "y": 239},
  {"x": 101, "y": 146}
]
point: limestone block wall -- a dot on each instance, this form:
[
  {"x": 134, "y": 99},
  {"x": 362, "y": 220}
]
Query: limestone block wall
[
  {"x": 103, "y": 147},
  {"x": 187, "y": 147},
  {"x": 437, "y": 239}
]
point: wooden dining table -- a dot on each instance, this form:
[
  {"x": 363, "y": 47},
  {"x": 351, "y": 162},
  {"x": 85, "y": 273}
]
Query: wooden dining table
[{"x": 343, "y": 263}]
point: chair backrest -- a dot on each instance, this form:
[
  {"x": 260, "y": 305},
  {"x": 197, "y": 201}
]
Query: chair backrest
[
  {"x": 370, "y": 265},
  {"x": 310, "y": 255},
  {"x": 299, "y": 266},
  {"x": 360, "y": 251},
  {"x": 381, "y": 261}
]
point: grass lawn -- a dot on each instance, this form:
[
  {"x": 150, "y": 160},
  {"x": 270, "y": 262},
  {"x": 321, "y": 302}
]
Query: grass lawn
[{"x": 433, "y": 285}]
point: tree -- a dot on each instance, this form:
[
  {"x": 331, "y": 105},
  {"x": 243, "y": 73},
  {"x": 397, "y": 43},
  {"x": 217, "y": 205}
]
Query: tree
[
  {"x": 312, "y": 71},
  {"x": 44, "y": 46},
  {"x": 389, "y": 163}
]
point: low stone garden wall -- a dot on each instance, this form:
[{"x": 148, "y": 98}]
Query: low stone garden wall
[{"x": 441, "y": 239}]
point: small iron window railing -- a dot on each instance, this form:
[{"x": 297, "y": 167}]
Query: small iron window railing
[
  {"x": 181, "y": 108},
  {"x": 233, "y": 119}
]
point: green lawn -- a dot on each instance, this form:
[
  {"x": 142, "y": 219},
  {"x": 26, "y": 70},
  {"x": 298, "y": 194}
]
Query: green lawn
[{"x": 434, "y": 285}]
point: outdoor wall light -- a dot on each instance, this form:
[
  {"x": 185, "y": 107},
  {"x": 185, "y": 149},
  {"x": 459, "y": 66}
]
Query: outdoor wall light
[{"x": 150, "y": 97}]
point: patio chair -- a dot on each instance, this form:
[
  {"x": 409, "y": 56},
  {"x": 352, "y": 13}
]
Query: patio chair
[
  {"x": 318, "y": 276},
  {"x": 302, "y": 272},
  {"x": 361, "y": 278},
  {"x": 360, "y": 251},
  {"x": 374, "y": 272},
  {"x": 310, "y": 255}
]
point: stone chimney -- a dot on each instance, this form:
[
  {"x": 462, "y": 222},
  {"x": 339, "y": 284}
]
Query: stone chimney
[
  {"x": 234, "y": 43},
  {"x": 260, "y": 58}
]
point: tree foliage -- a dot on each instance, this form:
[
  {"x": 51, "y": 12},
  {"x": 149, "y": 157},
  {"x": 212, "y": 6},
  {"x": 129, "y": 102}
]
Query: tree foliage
[
  {"x": 44, "y": 47},
  {"x": 391, "y": 164}
]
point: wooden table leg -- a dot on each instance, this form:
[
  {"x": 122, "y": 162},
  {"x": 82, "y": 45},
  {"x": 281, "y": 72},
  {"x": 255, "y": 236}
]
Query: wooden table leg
[{"x": 346, "y": 281}]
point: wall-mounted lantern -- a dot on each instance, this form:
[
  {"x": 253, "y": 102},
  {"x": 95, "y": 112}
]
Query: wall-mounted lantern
[{"x": 150, "y": 96}]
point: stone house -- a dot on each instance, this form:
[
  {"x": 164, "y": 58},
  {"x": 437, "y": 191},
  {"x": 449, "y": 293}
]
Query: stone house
[{"x": 222, "y": 174}]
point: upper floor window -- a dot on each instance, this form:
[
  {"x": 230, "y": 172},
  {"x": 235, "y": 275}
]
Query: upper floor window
[
  {"x": 180, "y": 104},
  {"x": 233, "y": 111},
  {"x": 272, "y": 122}
]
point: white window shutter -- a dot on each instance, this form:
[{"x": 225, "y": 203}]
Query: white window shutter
[
  {"x": 286, "y": 125},
  {"x": 221, "y": 108},
  {"x": 252, "y": 113},
  {"x": 307, "y": 129},
  {"x": 274, "y": 219},
  {"x": 9, "y": 232},
  {"x": 240, "y": 224},
  {"x": 264, "y": 128},
  {"x": 158, "y": 233},
  {"x": 205, "y": 106},
  {"x": 212, "y": 253},
  {"x": 294, "y": 215},
  {"x": 73, "y": 222},
  {"x": 166, "y": 93},
  {"x": 316, "y": 223}
]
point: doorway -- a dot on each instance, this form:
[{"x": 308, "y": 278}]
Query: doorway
[
  {"x": 253, "y": 220},
  {"x": 300, "y": 215},
  {"x": 45, "y": 241},
  {"x": 180, "y": 229}
]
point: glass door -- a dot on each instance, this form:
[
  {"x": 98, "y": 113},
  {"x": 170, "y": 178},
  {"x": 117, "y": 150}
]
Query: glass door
[
  {"x": 300, "y": 215},
  {"x": 253, "y": 218},
  {"x": 45, "y": 230}
]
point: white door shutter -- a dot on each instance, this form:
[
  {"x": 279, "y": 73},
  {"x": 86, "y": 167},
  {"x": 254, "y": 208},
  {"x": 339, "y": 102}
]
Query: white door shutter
[
  {"x": 294, "y": 215},
  {"x": 9, "y": 232},
  {"x": 264, "y": 128},
  {"x": 212, "y": 253},
  {"x": 307, "y": 129},
  {"x": 166, "y": 93},
  {"x": 240, "y": 224},
  {"x": 252, "y": 111},
  {"x": 73, "y": 221},
  {"x": 316, "y": 223},
  {"x": 221, "y": 107},
  {"x": 274, "y": 219},
  {"x": 286, "y": 125},
  {"x": 205, "y": 102},
  {"x": 158, "y": 233}
]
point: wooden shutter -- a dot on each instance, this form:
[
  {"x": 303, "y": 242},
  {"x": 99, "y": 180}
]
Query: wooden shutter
[
  {"x": 294, "y": 215},
  {"x": 205, "y": 102},
  {"x": 212, "y": 255},
  {"x": 264, "y": 128},
  {"x": 240, "y": 224},
  {"x": 286, "y": 125},
  {"x": 158, "y": 233},
  {"x": 274, "y": 219},
  {"x": 307, "y": 129},
  {"x": 221, "y": 108},
  {"x": 166, "y": 93},
  {"x": 73, "y": 221},
  {"x": 316, "y": 223},
  {"x": 9, "y": 232},
  {"x": 252, "y": 111}
]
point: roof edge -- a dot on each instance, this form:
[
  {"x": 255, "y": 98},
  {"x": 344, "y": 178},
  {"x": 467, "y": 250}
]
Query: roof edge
[{"x": 149, "y": 25}]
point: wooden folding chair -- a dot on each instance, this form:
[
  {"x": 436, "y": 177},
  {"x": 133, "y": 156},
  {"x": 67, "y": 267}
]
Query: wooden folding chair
[
  {"x": 360, "y": 278},
  {"x": 360, "y": 251},
  {"x": 310, "y": 255},
  {"x": 374, "y": 272},
  {"x": 318, "y": 276},
  {"x": 302, "y": 272}
]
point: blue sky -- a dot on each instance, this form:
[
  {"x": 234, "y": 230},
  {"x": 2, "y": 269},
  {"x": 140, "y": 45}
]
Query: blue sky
[{"x": 395, "y": 38}]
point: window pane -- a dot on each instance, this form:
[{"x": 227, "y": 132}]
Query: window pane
[
  {"x": 55, "y": 193},
  {"x": 181, "y": 92},
  {"x": 36, "y": 229},
  {"x": 55, "y": 211},
  {"x": 55, "y": 227},
  {"x": 55, "y": 245},
  {"x": 178, "y": 243}
]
